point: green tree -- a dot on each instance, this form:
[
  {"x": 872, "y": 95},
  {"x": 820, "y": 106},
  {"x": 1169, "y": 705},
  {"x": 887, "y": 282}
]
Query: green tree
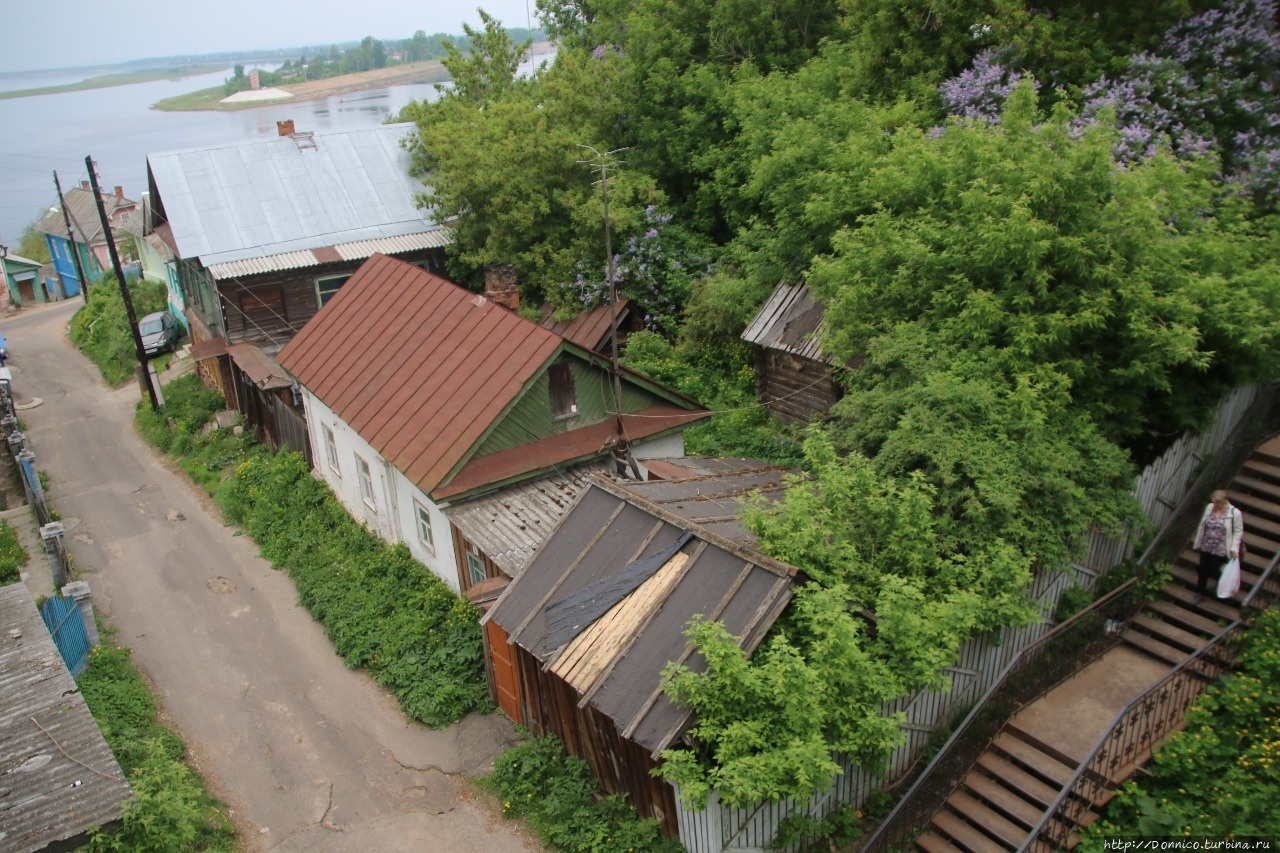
[
  {"x": 32, "y": 244},
  {"x": 488, "y": 69}
]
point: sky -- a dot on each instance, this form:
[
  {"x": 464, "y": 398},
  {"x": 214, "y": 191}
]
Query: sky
[{"x": 39, "y": 34}]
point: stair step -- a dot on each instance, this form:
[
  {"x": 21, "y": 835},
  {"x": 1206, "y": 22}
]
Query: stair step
[
  {"x": 1045, "y": 766},
  {"x": 1254, "y": 506},
  {"x": 1031, "y": 788},
  {"x": 931, "y": 842},
  {"x": 1256, "y": 563},
  {"x": 1257, "y": 486},
  {"x": 1212, "y": 608},
  {"x": 1003, "y": 799},
  {"x": 1168, "y": 633},
  {"x": 1188, "y": 577},
  {"x": 1175, "y": 612},
  {"x": 1262, "y": 468},
  {"x": 995, "y": 825},
  {"x": 1265, "y": 546},
  {"x": 965, "y": 835},
  {"x": 1012, "y": 727},
  {"x": 1155, "y": 648}
]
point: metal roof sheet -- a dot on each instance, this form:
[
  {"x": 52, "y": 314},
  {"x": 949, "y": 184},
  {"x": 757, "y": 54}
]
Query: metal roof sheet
[
  {"x": 84, "y": 215},
  {"x": 618, "y": 668},
  {"x": 589, "y": 329},
  {"x": 262, "y": 370},
  {"x": 53, "y": 798},
  {"x": 510, "y": 524},
  {"x": 286, "y": 194},
  {"x": 789, "y": 320},
  {"x": 415, "y": 364},
  {"x": 437, "y": 238}
]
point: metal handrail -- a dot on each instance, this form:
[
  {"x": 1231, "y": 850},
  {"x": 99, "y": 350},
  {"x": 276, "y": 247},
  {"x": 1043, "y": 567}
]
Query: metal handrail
[{"x": 1087, "y": 767}]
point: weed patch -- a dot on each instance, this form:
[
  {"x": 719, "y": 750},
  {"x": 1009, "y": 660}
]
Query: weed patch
[
  {"x": 557, "y": 795},
  {"x": 101, "y": 328},
  {"x": 12, "y": 555}
]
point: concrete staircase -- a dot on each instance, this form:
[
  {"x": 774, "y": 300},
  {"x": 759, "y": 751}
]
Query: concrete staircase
[{"x": 995, "y": 806}]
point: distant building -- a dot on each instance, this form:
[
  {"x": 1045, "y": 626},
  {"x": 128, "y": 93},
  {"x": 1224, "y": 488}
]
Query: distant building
[{"x": 87, "y": 238}]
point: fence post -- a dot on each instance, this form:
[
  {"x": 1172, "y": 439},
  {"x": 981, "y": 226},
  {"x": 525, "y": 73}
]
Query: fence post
[
  {"x": 9, "y": 423},
  {"x": 16, "y": 443},
  {"x": 51, "y": 534},
  {"x": 79, "y": 590}
]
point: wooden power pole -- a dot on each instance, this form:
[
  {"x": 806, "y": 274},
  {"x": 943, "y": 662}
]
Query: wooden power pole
[{"x": 124, "y": 288}]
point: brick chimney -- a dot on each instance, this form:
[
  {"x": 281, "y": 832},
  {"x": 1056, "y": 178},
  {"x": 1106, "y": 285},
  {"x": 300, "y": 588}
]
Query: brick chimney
[
  {"x": 500, "y": 285},
  {"x": 84, "y": 185},
  {"x": 285, "y": 128},
  {"x": 120, "y": 192}
]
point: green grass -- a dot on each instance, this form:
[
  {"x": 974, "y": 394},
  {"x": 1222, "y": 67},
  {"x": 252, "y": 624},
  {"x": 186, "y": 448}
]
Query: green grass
[
  {"x": 202, "y": 99},
  {"x": 12, "y": 555},
  {"x": 107, "y": 81},
  {"x": 101, "y": 328}
]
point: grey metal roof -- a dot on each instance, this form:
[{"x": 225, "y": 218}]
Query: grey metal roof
[
  {"x": 616, "y": 663},
  {"x": 510, "y": 523},
  {"x": 789, "y": 320},
  {"x": 359, "y": 250},
  {"x": 45, "y": 797},
  {"x": 285, "y": 194},
  {"x": 84, "y": 215}
]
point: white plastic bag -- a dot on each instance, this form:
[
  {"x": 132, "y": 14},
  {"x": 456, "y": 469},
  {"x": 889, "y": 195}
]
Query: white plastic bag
[{"x": 1229, "y": 583}]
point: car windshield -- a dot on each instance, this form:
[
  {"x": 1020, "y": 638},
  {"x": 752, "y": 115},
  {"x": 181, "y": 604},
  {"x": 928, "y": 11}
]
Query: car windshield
[{"x": 151, "y": 327}]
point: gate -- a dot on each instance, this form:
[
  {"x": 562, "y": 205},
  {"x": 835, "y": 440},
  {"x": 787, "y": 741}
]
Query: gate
[
  {"x": 506, "y": 678},
  {"x": 66, "y": 625}
]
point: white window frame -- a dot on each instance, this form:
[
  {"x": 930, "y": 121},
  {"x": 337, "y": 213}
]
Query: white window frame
[
  {"x": 331, "y": 449},
  {"x": 475, "y": 563},
  {"x": 321, "y": 289},
  {"x": 365, "y": 476},
  {"x": 425, "y": 536}
]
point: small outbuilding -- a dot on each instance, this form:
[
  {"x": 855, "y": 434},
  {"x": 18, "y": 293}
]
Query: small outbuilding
[
  {"x": 794, "y": 377},
  {"x": 49, "y": 800},
  {"x": 579, "y": 640}
]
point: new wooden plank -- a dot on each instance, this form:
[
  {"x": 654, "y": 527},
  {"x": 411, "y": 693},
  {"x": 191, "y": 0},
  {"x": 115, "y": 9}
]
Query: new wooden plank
[
  {"x": 965, "y": 835},
  {"x": 1033, "y": 759}
]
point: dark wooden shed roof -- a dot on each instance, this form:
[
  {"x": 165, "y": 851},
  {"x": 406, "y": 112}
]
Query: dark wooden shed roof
[
  {"x": 47, "y": 798},
  {"x": 790, "y": 320},
  {"x": 616, "y": 661}
]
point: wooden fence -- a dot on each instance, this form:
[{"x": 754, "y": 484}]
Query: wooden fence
[{"x": 1160, "y": 489}]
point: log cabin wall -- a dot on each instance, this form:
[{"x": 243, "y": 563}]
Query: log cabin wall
[
  {"x": 267, "y": 310},
  {"x": 793, "y": 387},
  {"x": 550, "y": 707}
]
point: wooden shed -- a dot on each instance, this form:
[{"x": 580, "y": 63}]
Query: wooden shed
[
  {"x": 793, "y": 375},
  {"x": 582, "y": 636}
]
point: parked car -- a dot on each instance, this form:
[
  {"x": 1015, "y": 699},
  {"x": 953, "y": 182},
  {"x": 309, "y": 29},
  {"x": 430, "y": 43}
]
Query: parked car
[{"x": 160, "y": 332}]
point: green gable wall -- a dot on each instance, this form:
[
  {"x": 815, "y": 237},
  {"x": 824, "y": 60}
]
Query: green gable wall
[{"x": 530, "y": 419}]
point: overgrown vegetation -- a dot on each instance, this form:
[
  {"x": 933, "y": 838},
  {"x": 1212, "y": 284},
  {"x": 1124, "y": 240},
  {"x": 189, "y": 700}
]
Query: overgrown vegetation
[
  {"x": 1220, "y": 776},
  {"x": 382, "y": 609},
  {"x": 559, "y": 798},
  {"x": 171, "y": 809},
  {"x": 1020, "y": 320},
  {"x": 12, "y": 555},
  {"x": 101, "y": 328}
]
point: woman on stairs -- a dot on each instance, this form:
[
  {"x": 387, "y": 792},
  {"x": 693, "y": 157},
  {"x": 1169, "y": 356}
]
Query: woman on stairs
[{"x": 1217, "y": 540}]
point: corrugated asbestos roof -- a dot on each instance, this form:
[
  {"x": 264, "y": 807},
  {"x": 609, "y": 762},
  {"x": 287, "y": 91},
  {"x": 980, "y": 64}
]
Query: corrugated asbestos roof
[
  {"x": 357, "y": 251},
  {"x": 791, "y": 321},
  {"x": 510, "y": 524},
  {"x": 84, "y": 215},
  {"x": 616, "y": 663},
  {"x": 46, "y": 797},
  {"x": 416, "y": 365},
  {"x": 283, "y": 194}
]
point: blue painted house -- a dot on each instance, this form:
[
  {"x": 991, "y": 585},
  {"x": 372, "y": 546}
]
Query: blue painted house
[{"x": 87, "y": 238}]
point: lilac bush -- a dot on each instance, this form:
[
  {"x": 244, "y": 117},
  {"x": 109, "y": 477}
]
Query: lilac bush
[
  {"x": 654, "y": 269},
  {"x": 980, "y": 92}
]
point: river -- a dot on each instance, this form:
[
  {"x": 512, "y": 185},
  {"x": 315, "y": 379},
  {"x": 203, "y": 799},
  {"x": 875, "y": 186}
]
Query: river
[{"x": 119, "y": 129}]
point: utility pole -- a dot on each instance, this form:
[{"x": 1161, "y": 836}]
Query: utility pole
[
  {"x": 624, "y": 446},
  {"x": 124, "y": 289},
  {"x": 71, "y": 238}
]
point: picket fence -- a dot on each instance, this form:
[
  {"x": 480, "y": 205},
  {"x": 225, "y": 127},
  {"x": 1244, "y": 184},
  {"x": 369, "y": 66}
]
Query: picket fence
[{"x": 1160, "y": 489}]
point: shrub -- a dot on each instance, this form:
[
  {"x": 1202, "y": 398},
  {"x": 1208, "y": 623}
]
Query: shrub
[
  {"x": 171, "y": 809},
  {"x": 557, "y": 795},
  {"x": 12, "y": 555},
  {"x": 101, "y": 328}
]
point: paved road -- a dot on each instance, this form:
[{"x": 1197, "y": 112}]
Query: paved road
[{"x": 308, "y": 754}]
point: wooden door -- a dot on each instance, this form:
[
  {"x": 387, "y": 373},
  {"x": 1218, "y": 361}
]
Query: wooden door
[{"x": 506, "y": 679}]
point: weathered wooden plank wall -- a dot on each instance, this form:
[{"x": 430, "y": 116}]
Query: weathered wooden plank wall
[{"x": 1160, "y": 488}]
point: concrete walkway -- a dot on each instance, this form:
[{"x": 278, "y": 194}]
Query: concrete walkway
[{"x": 37, "y": 574}]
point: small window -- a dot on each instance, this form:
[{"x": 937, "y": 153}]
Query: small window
[
  {"x": 331, "y": 449},
  {"x": 366, "y": 482},
  {"x": 476, "y": 570},
  {"x": 564, "y": 403},
  {"x": 327, "y": 286},
  {"x": 424, "y": 527}
]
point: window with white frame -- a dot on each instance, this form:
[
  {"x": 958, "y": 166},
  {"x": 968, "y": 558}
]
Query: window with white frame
[
  {"x": 366, "y": 482},
  {"x": 424, "y": 527},
  {"x": 328, "y": 285},
  {"x": 331, "y": 449},
  {"x": 476, "y": 569}
]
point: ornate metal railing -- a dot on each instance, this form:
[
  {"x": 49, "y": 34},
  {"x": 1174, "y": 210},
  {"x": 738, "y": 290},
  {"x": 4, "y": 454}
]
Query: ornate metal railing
[{"x": 1145, "y": 721}]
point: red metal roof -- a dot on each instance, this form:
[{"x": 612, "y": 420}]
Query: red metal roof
[
  {"x": 590, "y": 329},
  {"x": 418, "y": 366}
]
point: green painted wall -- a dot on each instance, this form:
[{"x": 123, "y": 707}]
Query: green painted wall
[{"x": 531, "y": 420}]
